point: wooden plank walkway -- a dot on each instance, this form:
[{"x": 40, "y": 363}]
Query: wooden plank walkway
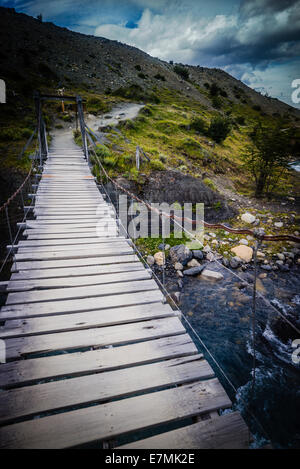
[{"x": 94, "y": 354}]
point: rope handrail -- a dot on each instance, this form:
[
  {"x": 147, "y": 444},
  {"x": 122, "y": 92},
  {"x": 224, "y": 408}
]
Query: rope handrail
[
  {"x": 255, "y": 234},
  {"x": 12, "y": 197}
]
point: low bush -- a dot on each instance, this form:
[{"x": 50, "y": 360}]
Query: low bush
[
  {"x": 157, "y": 165},
  {"x": 219, "y": 129},
  {"x": 198, "y": 124},
  {"x": 208, "y": 182},
  {"x": 182, "y": 72}
]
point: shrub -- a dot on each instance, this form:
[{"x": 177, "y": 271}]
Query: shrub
[
  {"x": 240, "y": 120},
  {"x": 110, "y": 161},
  {"x": 96, "y": 105},
  {"x": 208, "y": 182},
  {"x": 67, "y": 118},
  {"x": 198, "y": 124},
  {"x": 182, "y": 72},
  {"x": 146, "y": 110},
  {"x": 219, "y": 129},
  {"x": 138, "y": 68},
  {"x": 217, "y": 102},
  {"x": 157, "y": 165},
  {"x": 158, "y": 76},
  {"x": 102, "y": 152},
  {"x": 256, "y": 107},
  {"x": 10, "y": 134},
  {"x": 142, "y": 75},
  {"x": 167, "y": 127},
  {"x": 214, "y": 90}
]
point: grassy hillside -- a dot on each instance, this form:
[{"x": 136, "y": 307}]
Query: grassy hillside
[{"x": 181, "y": 102}]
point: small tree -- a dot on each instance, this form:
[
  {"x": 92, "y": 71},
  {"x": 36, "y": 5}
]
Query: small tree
[
  {"x": 40, "y": 17},
  {"x": 268, "y": 157},
  {"x": 219, "y": 128}
]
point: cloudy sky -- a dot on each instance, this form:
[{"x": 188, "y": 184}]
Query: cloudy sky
[{"x": 257, "y": 41}]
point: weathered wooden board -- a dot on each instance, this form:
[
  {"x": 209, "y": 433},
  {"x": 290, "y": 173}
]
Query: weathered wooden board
[
  {"x": 74, "y": 254},
  {"x": 107, "y": 421},
  {"x": 33, "y": 400},
  {"x": 33, "y": 244},
  {"x": 72, "y": 293},
  {"x": 112, "y": 335},
  {"x": 78, "y": 281},
  {"x": 44, "y": 235},
  {"x": 74, "y": 247},
  {"x": 29, "y": 371},
  {"x": 132, "y": 264},
  {"x": 82, "y": 262},
  {"x": 81, "y": 248},
  {"x": 226, "y": 432},
  {"x": 64, "y": 226},
  {"x": 80, "y": 305},
  {"x": 86, "y": 320}
]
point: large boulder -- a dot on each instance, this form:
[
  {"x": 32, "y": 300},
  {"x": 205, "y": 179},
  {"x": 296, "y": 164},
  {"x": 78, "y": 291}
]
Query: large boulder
[
  {"x": 243, "y": 252},
  {"x": 180, "y": 253}
]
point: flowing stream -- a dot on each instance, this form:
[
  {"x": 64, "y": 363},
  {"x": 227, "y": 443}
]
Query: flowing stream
[{"x": 220, "y": 312}]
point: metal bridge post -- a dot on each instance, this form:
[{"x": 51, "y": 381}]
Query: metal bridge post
[{"x": 82, "y": 127}]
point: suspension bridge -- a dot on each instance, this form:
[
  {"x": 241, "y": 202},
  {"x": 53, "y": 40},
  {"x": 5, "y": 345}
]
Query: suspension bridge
[{"x": 94, "y": 353}]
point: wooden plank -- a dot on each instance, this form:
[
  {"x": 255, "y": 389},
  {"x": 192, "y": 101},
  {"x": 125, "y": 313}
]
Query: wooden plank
[
  {"x": 74, "y": 247},
  {"x": 58, "y": 294},
  {"x": 56, "y": 219},
  {"x": 79, "y": 281},
  {"x": 29, "y": 371},
  {"x": 83, "y": 246},
  {"x": 70, "y": 272},
  {"x": 79, "y": 321},
  {"x": 40, "y": 235},
  {"x": 97, "y": 388},
  {"x": 31, "y": 243},
  {"x": 226, "y": 432},
  {"x": 97, "y": 337},
  {"x": 108, "y": 421},
  {"x": 79, "y": 305},
  {"x": 82, "y": 262},
  {"x": 69, "y": 226},
  {"x": 73, "y": 254}
]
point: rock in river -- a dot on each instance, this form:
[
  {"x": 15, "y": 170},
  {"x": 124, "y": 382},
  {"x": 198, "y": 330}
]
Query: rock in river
[
  {"x": 180, "y": 253},
  {"x": 235, "y": 262},
  {"x": 211, "y": 274},
  {"x": 194, "y": 270}
]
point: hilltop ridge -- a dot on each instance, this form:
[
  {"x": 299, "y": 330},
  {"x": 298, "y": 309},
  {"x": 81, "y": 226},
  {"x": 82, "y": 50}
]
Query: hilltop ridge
[{"x": 33, "y": 51}]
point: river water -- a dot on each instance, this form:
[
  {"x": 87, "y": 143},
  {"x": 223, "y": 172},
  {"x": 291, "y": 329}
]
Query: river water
[{"x": 220, "y": 312}]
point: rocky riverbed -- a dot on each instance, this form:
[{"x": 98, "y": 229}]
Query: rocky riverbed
[{"x": 214, "y": 292}]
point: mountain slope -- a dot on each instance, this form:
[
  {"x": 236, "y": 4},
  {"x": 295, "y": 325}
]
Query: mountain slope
[{"x": 35, "y": 52}]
